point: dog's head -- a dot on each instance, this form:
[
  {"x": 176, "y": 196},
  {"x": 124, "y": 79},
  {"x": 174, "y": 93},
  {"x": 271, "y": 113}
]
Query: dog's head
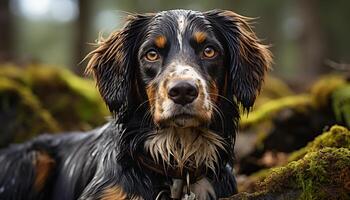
[{"x": 185, "y": 66}]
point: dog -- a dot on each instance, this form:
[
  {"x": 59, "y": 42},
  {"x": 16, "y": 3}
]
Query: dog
[{"x": 174, "y": 82}]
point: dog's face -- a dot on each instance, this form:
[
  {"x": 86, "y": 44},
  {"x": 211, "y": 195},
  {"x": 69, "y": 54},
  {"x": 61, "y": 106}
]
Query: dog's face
[
  {"x": 191, "y": 69},
  {"x": 181, "y": 63}
]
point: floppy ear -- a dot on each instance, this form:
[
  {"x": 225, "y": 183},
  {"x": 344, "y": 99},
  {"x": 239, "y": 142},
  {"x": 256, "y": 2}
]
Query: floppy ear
[
  {"x": 114, "y": 62},
  {"x": 246, "y": 57}
]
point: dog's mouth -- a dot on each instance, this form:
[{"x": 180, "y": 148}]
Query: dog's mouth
[
  {"x": 184, "y": 116},
  {"x": 181, "y": 120},
  {"x": 195, "y": 114}
]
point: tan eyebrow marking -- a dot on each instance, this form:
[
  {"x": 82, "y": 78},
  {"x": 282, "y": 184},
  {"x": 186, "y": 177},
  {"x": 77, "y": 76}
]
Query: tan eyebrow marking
[
  {"x": 160, "y": 41},
  {"x": 199, "y": 37}
]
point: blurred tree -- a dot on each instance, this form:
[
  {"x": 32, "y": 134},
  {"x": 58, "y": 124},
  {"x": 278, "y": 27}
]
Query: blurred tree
[
  {"x": 303, "y": 34},
  {"x": 83, "y": 28},
  {"x": 312, "y": 45},
  {"x": 6, "y": 46}
]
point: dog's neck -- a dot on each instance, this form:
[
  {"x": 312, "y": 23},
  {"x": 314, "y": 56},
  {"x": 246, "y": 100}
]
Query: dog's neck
[{"x": 185, "y": 147}]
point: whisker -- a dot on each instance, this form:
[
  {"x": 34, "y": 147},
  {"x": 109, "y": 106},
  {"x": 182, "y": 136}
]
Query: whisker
[
  {"x": 145, "y": 117},
  {"x": 223, "y": 97},
  {"x": 145, "y": 102},
  {"x": 220, "y": 114}
]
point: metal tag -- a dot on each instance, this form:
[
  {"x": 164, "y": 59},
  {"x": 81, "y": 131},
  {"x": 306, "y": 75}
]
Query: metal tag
[
  {"x": 176, "y": 188},
  {"x": 190, "y": 196}
]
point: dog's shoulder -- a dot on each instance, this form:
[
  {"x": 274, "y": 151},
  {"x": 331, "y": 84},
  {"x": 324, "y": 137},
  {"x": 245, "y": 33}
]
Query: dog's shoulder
[{"x": 44, "y": 164}]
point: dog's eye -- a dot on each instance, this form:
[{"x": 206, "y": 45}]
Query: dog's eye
[
  {"x": 152, "y": 56},
  {"x": 209, "y": 52}
]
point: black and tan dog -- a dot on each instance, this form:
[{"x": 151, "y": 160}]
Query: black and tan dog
[{"x": 174, "y": 81}]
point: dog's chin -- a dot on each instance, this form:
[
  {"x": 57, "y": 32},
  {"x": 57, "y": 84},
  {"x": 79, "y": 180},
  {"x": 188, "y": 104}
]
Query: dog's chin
[{"x": 182, "y": 121}]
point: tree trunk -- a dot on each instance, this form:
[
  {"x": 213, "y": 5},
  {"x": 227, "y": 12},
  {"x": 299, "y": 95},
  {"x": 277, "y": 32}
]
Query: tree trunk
[
  {"x": 6, "y": 33},
  {"x": 83, "y": 29},
  {"x": 311, "y": 42}
]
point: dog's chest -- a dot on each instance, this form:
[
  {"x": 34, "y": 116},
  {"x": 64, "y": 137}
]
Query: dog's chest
[{"x": 181, "y": 189}]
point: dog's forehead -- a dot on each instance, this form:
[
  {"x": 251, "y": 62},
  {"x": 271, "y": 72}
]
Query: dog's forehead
[
  {"x": 176, "y": 14},
  {"x": 178, "y": 26},
  {"x": 179, "y": 20}
]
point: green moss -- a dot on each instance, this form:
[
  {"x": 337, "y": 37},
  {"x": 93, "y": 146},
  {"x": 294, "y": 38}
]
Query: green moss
[
  {"x": 22, "y": 115},
  {"x": 251, "y": 182},
  {"x": 287, "y": 195},
  {"x": 12, "y": 72},
  {"x": 262, "y": 174},
  {"x": 321, "y": 170},
  {"x": 322, "y": 174},
  {"x": 269, "y": 109},
  {"x": 341, "y": 103},
  {"x": 337, "y": 136},
  {"x": 273, "y": 88},
  {"x": 70, "y": 101},
  {"x": 322, "y": 90},
  {"x": 327, "y": 91}
]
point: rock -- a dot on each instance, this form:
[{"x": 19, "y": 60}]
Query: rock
[
  {"x": 337, "y": 137},
  {"x": 322, "y": 174},
  {"x": 341, "y": 104},
  {"x": 289, "y": 123},
  {"x": 321, "y": 170},
  {"x": 270, "y": 109},
  {"x": 273, "y": 88},
  {"x": 73, "y": 101},
  {"x": 42, "y": 99},
  {"x": 21, "y": 114}
]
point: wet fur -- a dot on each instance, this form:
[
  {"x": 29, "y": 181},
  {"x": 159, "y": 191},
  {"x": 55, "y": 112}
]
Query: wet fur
[
  {"x": 192, "y": 147},
  {"x": 103, "y": 164}
]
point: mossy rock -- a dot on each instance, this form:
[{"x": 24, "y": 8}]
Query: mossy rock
[
  {"x": 321, "y": 175},
  {"x": 321, "y": 170},
  {"x": 73, "y": 101},
  {"x": 13, "y": 73},
  {"x": 337, "y": 136},
  {"x": 331, "y": 92},
  {"x": 290, "y": 127},
  {"x": 21, "y": 114},
  {"x": 273, "y": 88},
  {"x": 322, "y": 90},
  {"x": 341, "y": 104},
  {"x": 269, "y": 110},
  {"x": 289, "y": 123},
  {"x": 275, "y": 95},
  {"x": 287, "y": 195}
]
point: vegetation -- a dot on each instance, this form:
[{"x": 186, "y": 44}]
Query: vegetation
[
  {"x": 322, "y": 174},
  {"x": 319, "y": 171},
  {"x": 21, "y": 114},
  {"x": 291, "y": 126},
  {"x": 38, "y": 99},
  {"x": 336, "y": 137},
  {"x": 292, "y": 151}
]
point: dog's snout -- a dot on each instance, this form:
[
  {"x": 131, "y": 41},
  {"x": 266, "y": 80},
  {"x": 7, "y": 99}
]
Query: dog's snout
[{"x": 183, "y": 92}]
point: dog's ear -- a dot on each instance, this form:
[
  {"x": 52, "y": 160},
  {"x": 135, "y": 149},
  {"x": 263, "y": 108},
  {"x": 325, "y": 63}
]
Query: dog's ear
[
  {"x": 246, "y": 57},
  {"x": 114, "y": 60}
]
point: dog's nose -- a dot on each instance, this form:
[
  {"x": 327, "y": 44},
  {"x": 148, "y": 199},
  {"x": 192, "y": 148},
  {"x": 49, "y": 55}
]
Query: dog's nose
[{"x": 183, "y": 92}]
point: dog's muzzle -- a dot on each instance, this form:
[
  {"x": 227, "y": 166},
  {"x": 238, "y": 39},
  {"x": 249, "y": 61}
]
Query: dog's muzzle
[
  {"x": 182, "y": 99},
  {"x": 183, "y": 91}
]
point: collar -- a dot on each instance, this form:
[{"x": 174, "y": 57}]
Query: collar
[
  {"x": 194, "y": 174},
  {"x": 181, "y": 179}
]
